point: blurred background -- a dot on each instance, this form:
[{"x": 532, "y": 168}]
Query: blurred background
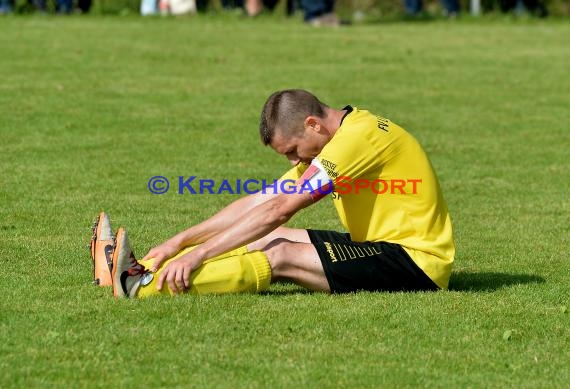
[{"x": 346, "y": 11}]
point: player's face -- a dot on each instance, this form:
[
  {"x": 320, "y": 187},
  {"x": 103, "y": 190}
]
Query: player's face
[{"x": 302, "y": 148}]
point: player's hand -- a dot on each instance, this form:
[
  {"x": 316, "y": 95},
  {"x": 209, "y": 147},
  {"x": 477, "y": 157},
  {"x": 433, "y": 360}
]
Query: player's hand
[
  {"x": 177, "y": 274},
  {"x": 161, "y": 253}
]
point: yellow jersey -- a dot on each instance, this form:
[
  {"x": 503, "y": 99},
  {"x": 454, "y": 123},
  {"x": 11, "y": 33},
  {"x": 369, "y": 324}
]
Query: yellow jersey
[{"x": 385, "y": 189}]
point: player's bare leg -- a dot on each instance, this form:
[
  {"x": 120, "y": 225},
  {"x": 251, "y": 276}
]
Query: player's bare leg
[
  {"x": 292, "y": 234},
  {"x": 296, "y": 262}
]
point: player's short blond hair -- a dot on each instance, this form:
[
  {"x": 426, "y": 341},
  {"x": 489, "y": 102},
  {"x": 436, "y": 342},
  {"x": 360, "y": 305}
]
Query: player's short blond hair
[{"x": 286, "y": 111}]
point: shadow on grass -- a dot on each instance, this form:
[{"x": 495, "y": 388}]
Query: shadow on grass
[
  {"x": 463, "y": 281},
  {"x": 286, "y": 289}
]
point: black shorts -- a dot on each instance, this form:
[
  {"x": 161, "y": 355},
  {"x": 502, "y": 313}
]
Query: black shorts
[{"x": 374, "y": 266}]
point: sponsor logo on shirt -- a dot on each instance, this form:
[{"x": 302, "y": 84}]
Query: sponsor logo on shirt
[{"x": 330, "y": 167}]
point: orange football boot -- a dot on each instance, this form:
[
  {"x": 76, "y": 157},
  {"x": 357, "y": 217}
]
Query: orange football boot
[{"x": 102, "y": 246}]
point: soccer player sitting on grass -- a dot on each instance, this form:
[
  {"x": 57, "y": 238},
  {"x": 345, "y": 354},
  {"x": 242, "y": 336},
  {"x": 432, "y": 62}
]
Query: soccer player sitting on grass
[{"x": 382, "y": 185}]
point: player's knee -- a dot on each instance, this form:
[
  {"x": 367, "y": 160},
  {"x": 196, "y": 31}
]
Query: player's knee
[{"x": 278, "y": 252}]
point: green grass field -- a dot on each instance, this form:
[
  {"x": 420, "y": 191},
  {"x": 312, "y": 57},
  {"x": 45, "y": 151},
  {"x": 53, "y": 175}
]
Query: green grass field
[{"x": 91, "y": 108}]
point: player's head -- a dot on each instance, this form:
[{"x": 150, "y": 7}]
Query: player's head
[
  {"x": 290, "y": 123},
  {"x": 285, "y": 112}
]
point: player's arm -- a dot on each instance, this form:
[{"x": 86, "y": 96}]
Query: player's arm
[
  {"x": 208, "y": 228},
  {"x": 257, "y": 223},
  {"x": 313, "y": 185},
  {"x": 266, "y": 216}
]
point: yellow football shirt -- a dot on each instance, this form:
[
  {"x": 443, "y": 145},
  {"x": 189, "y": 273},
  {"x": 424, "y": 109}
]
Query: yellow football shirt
[{"x": 385, "y": 189}]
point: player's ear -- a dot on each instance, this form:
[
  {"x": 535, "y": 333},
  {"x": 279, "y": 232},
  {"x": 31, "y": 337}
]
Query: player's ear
[{"x": 312, "y": 123}]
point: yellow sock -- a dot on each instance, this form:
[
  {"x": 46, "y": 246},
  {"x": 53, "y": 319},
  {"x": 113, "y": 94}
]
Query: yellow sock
[
  {"x": 248, "y": 272},
  {"x": 150, "y": 289},
  {"x": 239, "y": 251}
]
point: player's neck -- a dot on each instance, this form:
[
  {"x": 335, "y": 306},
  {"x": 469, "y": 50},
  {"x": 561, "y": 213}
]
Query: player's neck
[{"x": 333, "y": 119}]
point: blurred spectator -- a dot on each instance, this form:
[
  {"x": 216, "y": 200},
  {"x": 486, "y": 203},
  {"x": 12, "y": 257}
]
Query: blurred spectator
[
  {"x": 255, "y": 7},
  {"x": 61, "y": 6},
  {"x": 64, "y": 6},
  {"x": 6, "y": 6},
  {"x": 149, "y": 7},
  {"x": 415, "y": 7},
  {"x": 181, "y": 7},
  {"x": 316, "y": 12},
  {"x": 84, "y": 6},
  {"x": 535, "y": 7},
  {"x": 232, "y": 4},
  {"x": 320, "y": 13},
  {"x": 39, "y": 4},
  {"x": 167, "y": 7}
]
